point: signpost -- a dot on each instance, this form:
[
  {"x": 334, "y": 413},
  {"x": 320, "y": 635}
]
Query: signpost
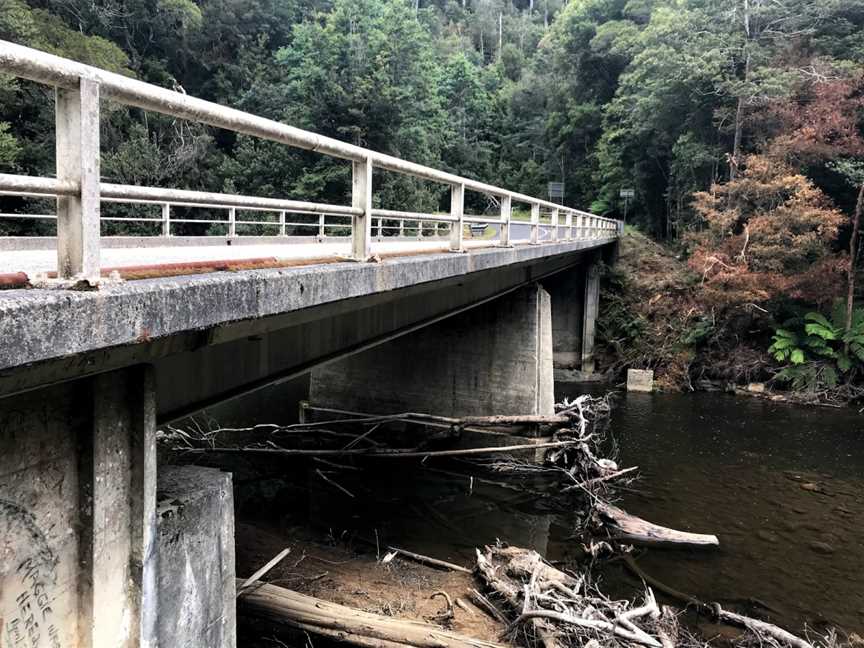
[
  {"x": 626, "y": 194},
  {"x": 556, "y": 191}
]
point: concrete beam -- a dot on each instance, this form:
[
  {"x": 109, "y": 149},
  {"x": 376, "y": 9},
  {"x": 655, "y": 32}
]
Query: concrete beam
[
  {"x": 143, "y": 319},
  {"x": 493, "y": 359}
]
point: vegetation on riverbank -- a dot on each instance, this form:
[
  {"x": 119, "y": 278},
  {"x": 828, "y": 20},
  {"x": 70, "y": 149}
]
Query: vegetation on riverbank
[{"x": 660, "y": 313}]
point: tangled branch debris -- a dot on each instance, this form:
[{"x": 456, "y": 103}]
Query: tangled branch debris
[
  {"x": 563, "y": 610},
  {"x": 569, "y": 428}
]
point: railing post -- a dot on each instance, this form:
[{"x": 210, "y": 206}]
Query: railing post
[
  {"x": 535, "y": 224},
  {"x": 166, "y": 220},
  {"x": 568, "y": 225},
  {"x": 321, "y": 233},
  {"x": 506, "y": 215},
  {"x": 282, "y": 230},
  {"x": 401, "y": 227},
  {"x": 554, "y": 224},
  {"x": 77, "y": 150},
  {"x": 232, "y": 222},
  {"x": 361, "y": 198},
  {"x": 457, "y": 211}
]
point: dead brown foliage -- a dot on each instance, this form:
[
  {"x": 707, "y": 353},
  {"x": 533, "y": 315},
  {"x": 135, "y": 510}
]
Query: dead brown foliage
[{"x": 767, "y": 233}]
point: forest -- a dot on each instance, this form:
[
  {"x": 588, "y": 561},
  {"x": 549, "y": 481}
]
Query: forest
[{"x": 739, "y": 124}]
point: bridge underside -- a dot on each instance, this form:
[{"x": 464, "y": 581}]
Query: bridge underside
[{"x": 459, "y": 334}]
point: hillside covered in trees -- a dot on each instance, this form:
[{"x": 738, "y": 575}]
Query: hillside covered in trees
[{"x": 738, "y": 123}]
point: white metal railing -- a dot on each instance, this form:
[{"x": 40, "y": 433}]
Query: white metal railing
[{"x": 79, "y": 190}]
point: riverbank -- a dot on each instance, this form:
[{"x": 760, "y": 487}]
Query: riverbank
[
  {"x": 345, "y": 570},
  {"x": 657, "y": 314}
]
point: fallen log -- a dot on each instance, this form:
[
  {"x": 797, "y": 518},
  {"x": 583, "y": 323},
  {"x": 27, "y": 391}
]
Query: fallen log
[
  {"x": 504, "y": 420},
  {"x": 284, "y": 607},
  {"x": 634, "y": 529},
  {"x": 761, "y": 628},
  {"x": 398, "y": 453}
]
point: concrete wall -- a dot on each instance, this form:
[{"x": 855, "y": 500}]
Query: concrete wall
[
  {"x": 195, "y": 513},
  {"x": 76, "y": 526},
  {"x": 493, "y": 359}
]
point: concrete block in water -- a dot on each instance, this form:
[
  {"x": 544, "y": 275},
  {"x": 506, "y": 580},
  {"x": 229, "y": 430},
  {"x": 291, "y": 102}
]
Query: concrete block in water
[
  {"x": 196, "y": 588},
  {"x": 640, "y": 380}
]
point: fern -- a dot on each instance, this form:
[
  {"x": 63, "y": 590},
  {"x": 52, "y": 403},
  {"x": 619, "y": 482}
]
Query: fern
[{"x": 819, "y": 350}]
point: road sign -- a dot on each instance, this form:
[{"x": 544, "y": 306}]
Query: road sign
[
  {"x": 627, "y": 193},
  {"x": 556, "y": 190}
]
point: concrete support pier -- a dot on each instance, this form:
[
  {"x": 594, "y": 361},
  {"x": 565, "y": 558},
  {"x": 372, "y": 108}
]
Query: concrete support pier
[
  {"x": 589, "y": 319},
  {"x": 567, "y": 293},
  {"x": 77, "y": 513},
  {"x": 495, "y": 358},
  {"x": 575, "y": 303}
]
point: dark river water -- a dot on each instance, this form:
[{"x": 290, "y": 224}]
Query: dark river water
[{"x": 782, "y": 487}]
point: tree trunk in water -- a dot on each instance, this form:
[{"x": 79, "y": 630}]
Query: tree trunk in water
[{"x": 853, "y": 254}]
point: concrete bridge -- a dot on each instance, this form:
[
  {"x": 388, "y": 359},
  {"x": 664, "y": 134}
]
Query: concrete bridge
[{"x": 366, "y": 320}]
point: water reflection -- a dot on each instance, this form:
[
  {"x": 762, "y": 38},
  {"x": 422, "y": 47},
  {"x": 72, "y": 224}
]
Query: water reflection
[{"x": 781, "y": 486}]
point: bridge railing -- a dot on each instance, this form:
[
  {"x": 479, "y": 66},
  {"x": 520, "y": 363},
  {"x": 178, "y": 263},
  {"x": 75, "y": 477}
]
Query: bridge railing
[{"x": 80, "y": 191}]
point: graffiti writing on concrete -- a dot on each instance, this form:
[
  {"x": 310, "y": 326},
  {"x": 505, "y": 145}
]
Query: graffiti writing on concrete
[{"x": 28, "y": 582}]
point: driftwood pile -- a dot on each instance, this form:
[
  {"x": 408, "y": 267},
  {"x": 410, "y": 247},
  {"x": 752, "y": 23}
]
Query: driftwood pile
[
  {"x": 556, "y": 609},
  {"x": 363, "y": 432}
]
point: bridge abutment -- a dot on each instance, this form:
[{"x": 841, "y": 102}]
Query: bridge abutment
[
  {"x": 83, "y": 561},
  {"x": 77, "y": 513},
  {"x": 495, "y": 358}
]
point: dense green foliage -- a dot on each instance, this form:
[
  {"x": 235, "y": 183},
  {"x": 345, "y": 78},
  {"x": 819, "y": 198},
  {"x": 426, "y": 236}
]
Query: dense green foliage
[
  {"x": 820, "y": 350},
  {"x": 600, "y": 93}
]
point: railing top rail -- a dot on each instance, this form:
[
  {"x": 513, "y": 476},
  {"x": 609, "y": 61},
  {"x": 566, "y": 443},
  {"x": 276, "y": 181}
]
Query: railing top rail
[{"x": 56, "y": 71}]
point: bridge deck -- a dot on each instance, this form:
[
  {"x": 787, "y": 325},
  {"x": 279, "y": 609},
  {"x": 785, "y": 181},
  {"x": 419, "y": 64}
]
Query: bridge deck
[{"x": 38, "y": 325}]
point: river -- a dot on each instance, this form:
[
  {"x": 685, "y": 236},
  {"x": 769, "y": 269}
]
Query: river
[{"x": 782, "y": 487}]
